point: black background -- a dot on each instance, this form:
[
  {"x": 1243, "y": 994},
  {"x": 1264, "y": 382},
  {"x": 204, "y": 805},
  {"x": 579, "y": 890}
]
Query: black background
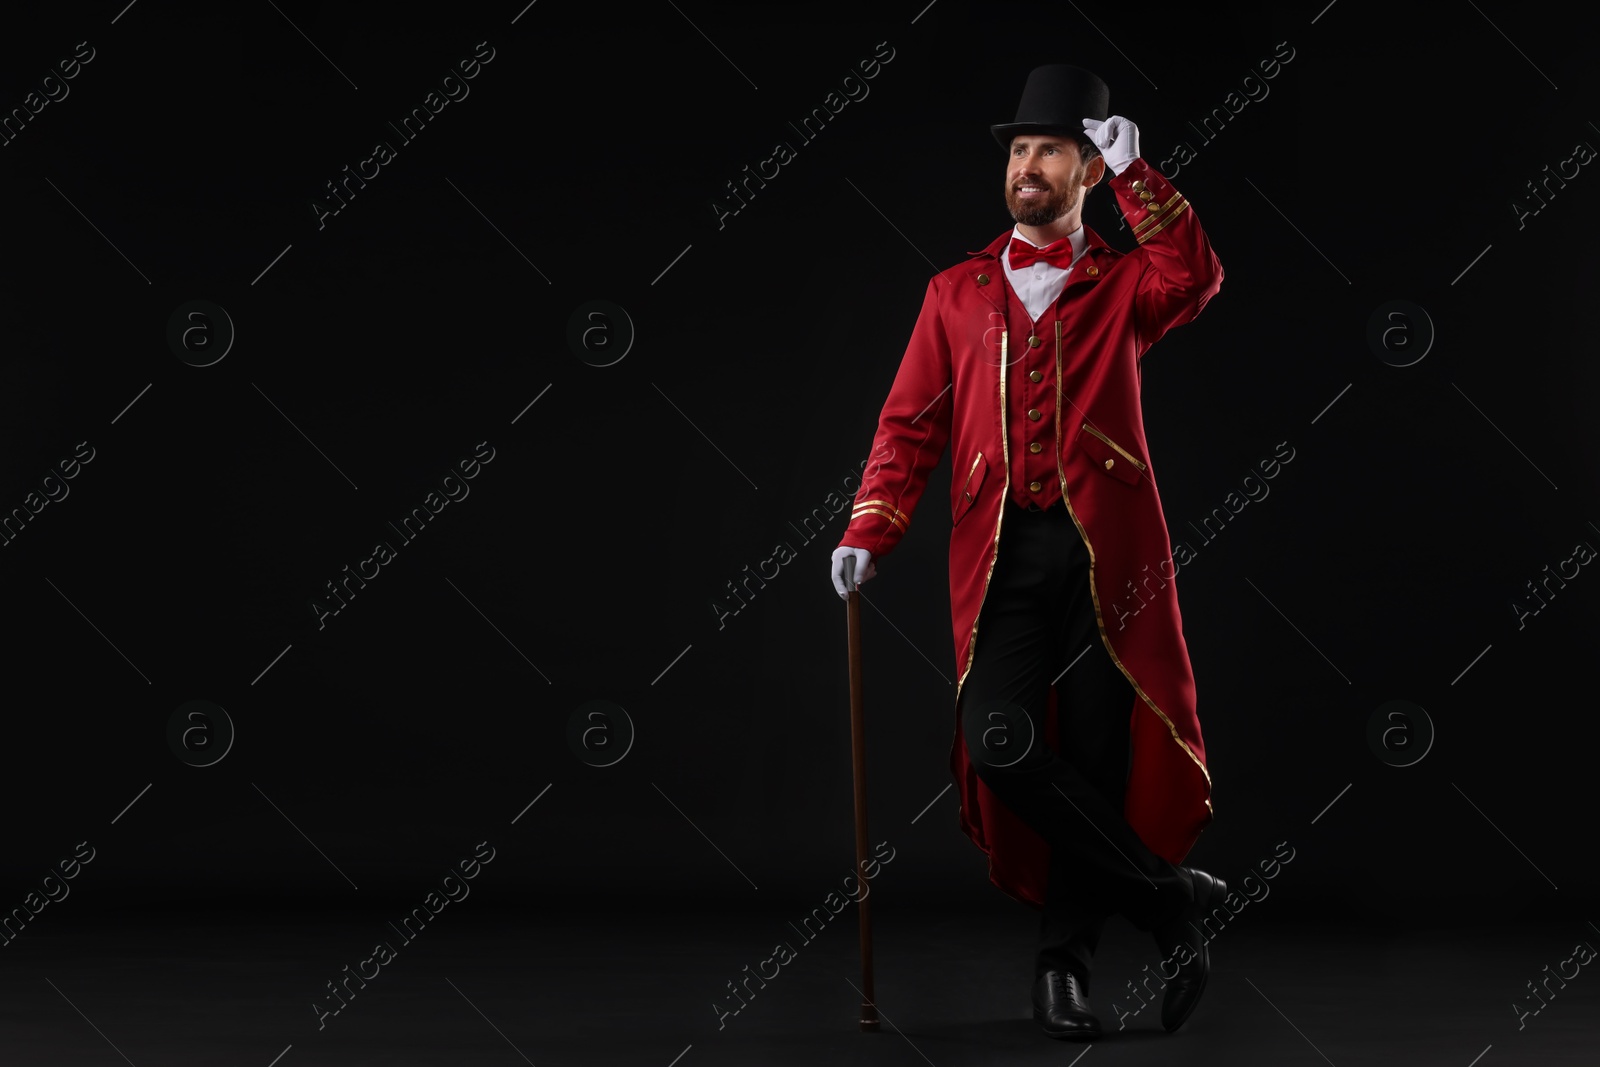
[{"x": 586, "y": 561}]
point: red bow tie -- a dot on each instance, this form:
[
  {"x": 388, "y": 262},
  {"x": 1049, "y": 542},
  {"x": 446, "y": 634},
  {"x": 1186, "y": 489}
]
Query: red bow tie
[{"x": 1057, "y": 254}]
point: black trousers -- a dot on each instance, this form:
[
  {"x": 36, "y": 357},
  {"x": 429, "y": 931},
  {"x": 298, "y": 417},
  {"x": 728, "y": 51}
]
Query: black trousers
[{"x": 1038, "y": 626}]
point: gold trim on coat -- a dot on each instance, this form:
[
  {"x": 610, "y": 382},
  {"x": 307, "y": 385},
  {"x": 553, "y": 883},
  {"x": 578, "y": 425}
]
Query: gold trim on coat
[
  {"x": 1166, "y": 218},
  {"x": 1129, "y": 456},
  {"x": 895, "y": 519},
  {"x": 1100, "y": 622},
  {"x": 1160, "y": 212},
  {"x": 900, "y": 517},
  {"x": 975, "y": 461},
  {"x": 994, "y": 554},
  {"x": 994, "y": 550}
]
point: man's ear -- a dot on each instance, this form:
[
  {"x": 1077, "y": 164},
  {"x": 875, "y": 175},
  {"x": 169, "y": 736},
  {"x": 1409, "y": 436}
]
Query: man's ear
[{"x": 1096, "y": 171}]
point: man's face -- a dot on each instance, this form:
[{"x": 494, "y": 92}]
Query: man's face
[{"x": 1044, "y": 179}]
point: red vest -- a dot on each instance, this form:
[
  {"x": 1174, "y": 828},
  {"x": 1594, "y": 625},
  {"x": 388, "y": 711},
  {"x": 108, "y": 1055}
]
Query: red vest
[{"x": 1031, "y": 397}]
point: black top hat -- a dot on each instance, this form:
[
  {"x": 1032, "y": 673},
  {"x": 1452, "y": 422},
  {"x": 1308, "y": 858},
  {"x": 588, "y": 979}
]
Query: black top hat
[{"x": 1056, "y": 99}]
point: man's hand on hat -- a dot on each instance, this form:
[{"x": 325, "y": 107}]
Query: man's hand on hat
[{"x": 1117, "y": 138}]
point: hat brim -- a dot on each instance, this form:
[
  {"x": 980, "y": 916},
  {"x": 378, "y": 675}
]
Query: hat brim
[{"x": 1005, "y": 131}]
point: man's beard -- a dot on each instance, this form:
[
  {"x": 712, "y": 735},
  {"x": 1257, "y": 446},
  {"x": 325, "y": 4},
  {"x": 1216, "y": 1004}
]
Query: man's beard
[{"x": 1041, "y": 212}]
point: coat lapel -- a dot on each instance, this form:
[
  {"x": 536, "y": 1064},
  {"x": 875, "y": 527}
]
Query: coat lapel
[
  {"x": 1098, "y": 258},
  {"x": 984, "y": 272}
]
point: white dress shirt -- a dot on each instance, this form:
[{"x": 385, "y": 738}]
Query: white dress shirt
[{"x": 1039, "y": 284}]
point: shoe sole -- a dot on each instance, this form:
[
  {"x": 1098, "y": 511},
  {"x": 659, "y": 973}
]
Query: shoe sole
[
  {"x": 1214, "y": 892},
  {"x": 1065, "y": 1035}
]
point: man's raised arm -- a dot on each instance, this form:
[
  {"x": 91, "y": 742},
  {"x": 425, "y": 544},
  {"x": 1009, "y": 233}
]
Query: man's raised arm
[{"x": 1181, "y": 272}]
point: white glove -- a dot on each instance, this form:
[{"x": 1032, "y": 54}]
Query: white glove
[
  {"x": 865, "y": 568},
  {"x": 1117, "y": 138}
]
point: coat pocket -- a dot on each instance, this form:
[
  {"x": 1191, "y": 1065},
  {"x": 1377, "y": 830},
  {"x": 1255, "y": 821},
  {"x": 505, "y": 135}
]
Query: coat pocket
[
  {"x": 968, "y": 492},
  {"x": 1110, "y": 456}
]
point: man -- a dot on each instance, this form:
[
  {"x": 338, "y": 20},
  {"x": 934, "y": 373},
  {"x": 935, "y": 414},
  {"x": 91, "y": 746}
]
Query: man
[{"x": 1077, "y": 752}]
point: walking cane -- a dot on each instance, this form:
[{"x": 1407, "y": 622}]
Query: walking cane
[{"x": 858, "y": 762}]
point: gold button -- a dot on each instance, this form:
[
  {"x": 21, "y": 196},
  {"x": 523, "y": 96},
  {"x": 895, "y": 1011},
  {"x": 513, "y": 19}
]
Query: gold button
[
  {"x": 1035, "y": 447},
  {"x": 1033, "y": 342},
  {"x": 1092, "y": 271},
  {"x": 1146, "y": 195},
  {"x": 1035, "y": 375},
  {"x": 983, "y": 279},
  {"x": 967, "y": 495},
  {"x": 1033, "y": 413},
  {"x": 1033, "y": 487},
  {"x": 1109, "y": 462},
  {"x": 1138, "y": 185}
]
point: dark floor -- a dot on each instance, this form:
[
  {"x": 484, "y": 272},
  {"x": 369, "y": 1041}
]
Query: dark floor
[{"x": 491, "y": 988}]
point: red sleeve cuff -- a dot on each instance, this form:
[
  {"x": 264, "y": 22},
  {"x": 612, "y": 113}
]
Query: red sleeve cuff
[{"x": 1148, "y": 200}]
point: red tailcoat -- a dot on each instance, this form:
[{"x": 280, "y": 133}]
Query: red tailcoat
[{"x": 951, "y": 389}]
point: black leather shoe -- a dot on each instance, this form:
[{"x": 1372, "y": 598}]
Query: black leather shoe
[
  {"x": 1183, "y": 942},
  {"x": 1061, "y": 1007}
]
